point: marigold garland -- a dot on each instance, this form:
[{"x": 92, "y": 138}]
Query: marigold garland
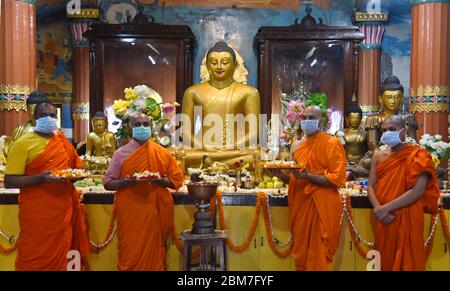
[
  {"x": 288, "y": 250},
  {"x": 251, "y": 234},
  {"x": 7, "y": 251},
  {"x": 361, "y": 251},
  {"x": 96, "y": 248}
]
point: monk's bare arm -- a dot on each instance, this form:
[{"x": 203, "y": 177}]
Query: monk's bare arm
[
  {"x": 409, "y": 196},
  {"x": 166, "y": 183},
  {"x": 316, "y": 179},
  {"x": 114, "y": 185},
  {"x": 20, "y": 182},
  {"x": 373, "y": 180}
]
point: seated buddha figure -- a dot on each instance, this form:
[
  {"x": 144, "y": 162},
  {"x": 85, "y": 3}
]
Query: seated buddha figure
[
  {"x": 220, "y": 115},
  {"x": 391, "y": 101},
  {"x": 101, "y": 142},
  {"x": 354, "y": 136}
]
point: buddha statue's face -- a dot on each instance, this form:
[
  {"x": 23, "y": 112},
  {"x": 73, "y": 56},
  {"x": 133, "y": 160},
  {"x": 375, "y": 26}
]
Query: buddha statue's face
[
  {"x": 99, "y": 125},
  {"x": 391, "y": 100},
  {"x": 354, "y": 119},
  {"x": 30, "y": 110},
  {"x": 220, "y": 65}
]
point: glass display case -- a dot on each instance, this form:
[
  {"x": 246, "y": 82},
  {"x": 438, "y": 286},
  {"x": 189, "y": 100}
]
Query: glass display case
[
  {"x": 130, "y": 54},
  {"x": 305, "y": 58}
]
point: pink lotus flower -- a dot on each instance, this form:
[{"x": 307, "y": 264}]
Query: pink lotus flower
[{"x": 168, "y": 108}]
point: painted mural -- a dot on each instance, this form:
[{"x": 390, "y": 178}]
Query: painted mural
[{"x": 54, "y": 61}]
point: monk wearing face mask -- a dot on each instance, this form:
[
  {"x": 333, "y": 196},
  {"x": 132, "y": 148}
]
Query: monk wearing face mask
[
  {"x": 314, "y": 200},
  {"x": 402, "y": 187},
  {"x": 50, "y": 215},
  {"x": 144, "y": 209}
]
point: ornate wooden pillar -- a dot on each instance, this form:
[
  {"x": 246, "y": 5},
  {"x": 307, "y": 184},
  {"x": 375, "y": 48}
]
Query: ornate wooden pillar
[
  {"x": 430, "y": 65},
  {"x": 80, "y": 82},
  {"x": 17, "y": 61},
  {"x": 370, "y": 60}
]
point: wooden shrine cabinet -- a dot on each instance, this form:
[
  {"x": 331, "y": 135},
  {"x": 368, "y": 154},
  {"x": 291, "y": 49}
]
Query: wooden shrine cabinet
[
  {"x": 307, "y": 57},
  {"x": 130, "y": 54}
]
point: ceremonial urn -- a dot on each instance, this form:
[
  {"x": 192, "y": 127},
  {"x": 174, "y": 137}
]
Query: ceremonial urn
[{"x": 202, "y": 192}]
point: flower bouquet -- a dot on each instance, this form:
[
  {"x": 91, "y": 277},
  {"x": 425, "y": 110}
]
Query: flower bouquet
[
  {"x": 438, "y": 148},
  {"x": 144, "y": 99}
]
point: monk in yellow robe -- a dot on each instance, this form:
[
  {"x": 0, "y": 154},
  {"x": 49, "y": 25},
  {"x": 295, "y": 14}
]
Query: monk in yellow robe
[
  {"x": 313, "y": 196},
  {"x": 50, "y": 215},
  {"x": 402, "y": 187},
  {"x": 144, "y": 209}
]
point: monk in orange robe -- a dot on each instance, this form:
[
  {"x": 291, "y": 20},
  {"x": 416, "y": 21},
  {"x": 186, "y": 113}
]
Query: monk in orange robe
[
  {"x": 402, "y": 187},
  {"x": 144, "y": 209},
  {"x": 313, "y": 197},
  {"x": 50, "y": 215}
]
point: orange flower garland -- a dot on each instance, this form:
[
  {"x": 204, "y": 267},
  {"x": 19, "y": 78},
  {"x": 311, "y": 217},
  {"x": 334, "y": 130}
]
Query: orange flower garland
[
  {"x": 361, "y": 251},
  {"x": 7, "y": 251},
  {"x": 288, "y": 250},
  {"x": 251, "y": 234},
  {"x": 96, "y": 248}
]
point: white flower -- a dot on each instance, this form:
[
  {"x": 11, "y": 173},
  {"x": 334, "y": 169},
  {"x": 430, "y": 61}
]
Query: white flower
[
  {"x": 140, "y": 104},
  {"x": 443, "y": 145},
  {"x": 142, "y": 91},
  {"x": 440, "y": 152},
  {"x": 438, "y": 137},
  {"x": 130, "y": 112},
  {"x": 433, "y": 145},
  {"x": 422, "y": 142},
  {"x": 339, "y": 133},
  {"x": 426, "y": 136}
]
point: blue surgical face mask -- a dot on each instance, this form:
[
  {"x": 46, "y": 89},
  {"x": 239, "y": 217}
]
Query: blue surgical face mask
[
  {"x": 142, "y": 133},
  {"x": 46, "y": 124},
  {"x": 310, "y": 126},
  {"x": 391, "y": 138}
]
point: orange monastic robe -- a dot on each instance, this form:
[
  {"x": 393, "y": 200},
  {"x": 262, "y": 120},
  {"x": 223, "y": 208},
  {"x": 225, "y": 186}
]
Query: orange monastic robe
[
  {"x": 145, "y": 211},
  {"x": 316, "y": 210},
  {"x": 50, "y": 214},
  {"x": 401, "y": 243}
]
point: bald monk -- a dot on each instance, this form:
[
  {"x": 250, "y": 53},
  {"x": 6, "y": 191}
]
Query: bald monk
[
  {"x": 50, "y": 215},
  {"x": 314, "y": 201},
  {"x": 402, "y": 186},
  {"x": 144, "y": 209}
]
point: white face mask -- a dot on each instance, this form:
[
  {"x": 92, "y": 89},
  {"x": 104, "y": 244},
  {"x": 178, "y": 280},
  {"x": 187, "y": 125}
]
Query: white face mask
[
  {"x": 391, "y": 138},
  {"x": 310, "y": 126}
]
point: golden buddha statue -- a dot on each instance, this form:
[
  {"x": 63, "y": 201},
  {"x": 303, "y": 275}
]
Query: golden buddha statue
[
  {"x": 219, "y": 98},
  {"x": 209, "y": 166},
  {"x": 34, "y": 98},
  {"x": 354, "y": 136},
  {"x": 391, "y": 101},
  {"x": 101, "y": 142}
]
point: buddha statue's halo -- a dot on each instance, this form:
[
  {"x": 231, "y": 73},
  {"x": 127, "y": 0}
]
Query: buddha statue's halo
[{"x": 240, "y": 74}]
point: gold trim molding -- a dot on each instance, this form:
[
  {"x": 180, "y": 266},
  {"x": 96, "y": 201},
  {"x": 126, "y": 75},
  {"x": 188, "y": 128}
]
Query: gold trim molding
[
  {"x": 80, "y": 111},
  {"x": 370, "y": 108},
  {"x": 86, "y": 13},
  {"x": 15, "y": 89},
  {"x": 428, "y": 107},
  {"x": 431, "y": 91},
  {"x": 16, "y": 105},
  {"x": 366, "y": 17}
]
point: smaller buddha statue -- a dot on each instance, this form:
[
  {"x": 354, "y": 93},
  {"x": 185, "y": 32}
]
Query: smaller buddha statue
[
  {"x": 391, "y": 102},
  {"x": 101, "y": 142},
  {"x": 209, "y": 166},
  {"x": 354, "y": 136}
]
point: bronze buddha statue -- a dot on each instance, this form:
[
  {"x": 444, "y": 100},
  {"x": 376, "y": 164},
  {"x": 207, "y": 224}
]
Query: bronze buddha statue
[
  {"x": 354, "y": 136},
  {"x": 220, "y": 97},
  {"x": 101, "y": 142},
  {"x": 391, "y": 101}
]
